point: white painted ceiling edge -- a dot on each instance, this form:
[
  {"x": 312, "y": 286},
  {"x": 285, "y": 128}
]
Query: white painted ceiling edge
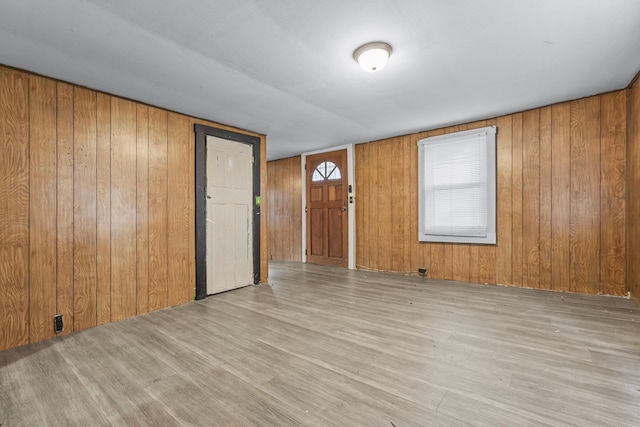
[{"x": 284, "y": 68}]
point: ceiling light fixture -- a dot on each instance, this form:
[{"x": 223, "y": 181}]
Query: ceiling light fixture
[{"x": 373, "y": 56}]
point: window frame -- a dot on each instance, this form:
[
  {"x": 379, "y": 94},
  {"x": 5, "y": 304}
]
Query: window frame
[
  {"x": 329, "y": 176},
  {"x": 486, "y": 135}
]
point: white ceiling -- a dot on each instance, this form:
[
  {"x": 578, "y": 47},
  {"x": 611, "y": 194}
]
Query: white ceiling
[{"x": 284, "y": 68}]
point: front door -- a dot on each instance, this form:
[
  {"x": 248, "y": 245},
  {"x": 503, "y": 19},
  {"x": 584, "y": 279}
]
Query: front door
[
  {"x": 229, "y": 222},
  {"x": 327, "y": 209}
]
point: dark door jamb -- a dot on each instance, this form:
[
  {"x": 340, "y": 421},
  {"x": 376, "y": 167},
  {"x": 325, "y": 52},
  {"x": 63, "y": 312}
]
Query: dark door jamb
[{"x": 201, "y": 199}]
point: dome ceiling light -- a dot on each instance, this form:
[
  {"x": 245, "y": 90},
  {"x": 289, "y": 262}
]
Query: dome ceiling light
[{"x": 373, "y": 56}]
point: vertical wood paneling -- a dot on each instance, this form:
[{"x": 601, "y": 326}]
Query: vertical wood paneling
[
  {"x": 585, "y": 195},
  {"x": 123, "y": 209},
  {"x": 374, "y": 219},
  {"x": 65, "y": 203},
  {"x": 461, "y": 262},
  {"x": 516, "y": 200},
  {"x": 448, "y": 261},
  {"x": 179, "y": 137},
  {"x": 397, "y": 205},
  {"x": 613, "y": 201},
  {"x": 359, "y": 176},
  {"x": 281, "y": 213},
  {"x": 633, "y": 188},
  {"x": 103, "y": 211},
  {"x": 84, "y": 208},
  {"x": 275, "y": 225},
  {"x": 363, "y": 197},
  {"x": 287, "y": 205},
  {"x": 43, "y": 202},
  {"x": 285, "y": 209},
  {"x": 407, "y": 187},
  {"x": 503, "y": 249},
  {"x": 14, "y": 208},
  {"x": 296, "y": 209},
  {"x": 487, "y": 253},
  {"x": 272, "y": 169},
  {"x": 14, "y": 260},
  {"x": 385, "y": 218},
  {"x": 531, "y": 199},
  {"x": 474, "y": 263},
  {"x": 142, "y": 207},
  {"x": 539, "y": 213},
  {"x": 295, "y": 216},
  {"x": 437, "y": 261},
  {"x": 158, "y": 199},
  {"x": 545, "y": 198},
  {"x": 561, "y": 196}
]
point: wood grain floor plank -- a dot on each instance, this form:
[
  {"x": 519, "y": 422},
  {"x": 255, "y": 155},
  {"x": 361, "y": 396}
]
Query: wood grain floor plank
[{"x": 328, "y": 346}]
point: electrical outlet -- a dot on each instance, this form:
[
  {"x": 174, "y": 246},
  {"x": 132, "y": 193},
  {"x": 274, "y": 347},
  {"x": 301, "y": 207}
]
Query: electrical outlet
[{"x": 58, "y": 324}]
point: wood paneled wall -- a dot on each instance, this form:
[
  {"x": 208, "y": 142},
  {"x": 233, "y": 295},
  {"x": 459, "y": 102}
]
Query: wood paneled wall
[
  {"x": 633, "y": 165},
  {"x": 96, "y": 207},
  {"x": 561, "y": 202},
  {"x": 285, "y": 209}
]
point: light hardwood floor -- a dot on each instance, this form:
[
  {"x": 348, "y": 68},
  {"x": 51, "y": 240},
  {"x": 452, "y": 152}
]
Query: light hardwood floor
[{"x": 328, "y": 346}]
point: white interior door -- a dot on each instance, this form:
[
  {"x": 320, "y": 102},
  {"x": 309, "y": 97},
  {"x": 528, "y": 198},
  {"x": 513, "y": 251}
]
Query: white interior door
[{"x": 229, "y": 215}]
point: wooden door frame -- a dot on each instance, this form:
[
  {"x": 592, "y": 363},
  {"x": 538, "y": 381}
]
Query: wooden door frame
[
  {"x": 351, "y": 205},
  {"x": 202, "y": 132}
]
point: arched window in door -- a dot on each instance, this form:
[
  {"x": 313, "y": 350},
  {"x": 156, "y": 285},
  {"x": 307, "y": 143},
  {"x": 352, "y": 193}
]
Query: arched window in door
[{"x": 325, "y": 171}]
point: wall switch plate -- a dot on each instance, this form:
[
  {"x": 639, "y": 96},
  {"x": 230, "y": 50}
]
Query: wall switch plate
[{"x": 58, "y": 324}]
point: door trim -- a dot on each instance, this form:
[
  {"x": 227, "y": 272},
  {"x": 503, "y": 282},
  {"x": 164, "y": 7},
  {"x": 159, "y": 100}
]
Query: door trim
[
  {"x": 352, "y": 198},
  {"x": 202, "y": 132}
]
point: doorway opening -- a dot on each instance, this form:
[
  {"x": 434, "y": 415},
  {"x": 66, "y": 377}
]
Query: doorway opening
[
  {"x": 328, "y": 199},
  {"x": 227, "y": 166}
]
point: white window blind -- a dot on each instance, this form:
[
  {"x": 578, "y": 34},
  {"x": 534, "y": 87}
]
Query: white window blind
[{"x": 457, "y": 187}]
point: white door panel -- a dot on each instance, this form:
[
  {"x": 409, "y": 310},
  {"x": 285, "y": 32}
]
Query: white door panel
[{"x": 229, "y": 215}]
